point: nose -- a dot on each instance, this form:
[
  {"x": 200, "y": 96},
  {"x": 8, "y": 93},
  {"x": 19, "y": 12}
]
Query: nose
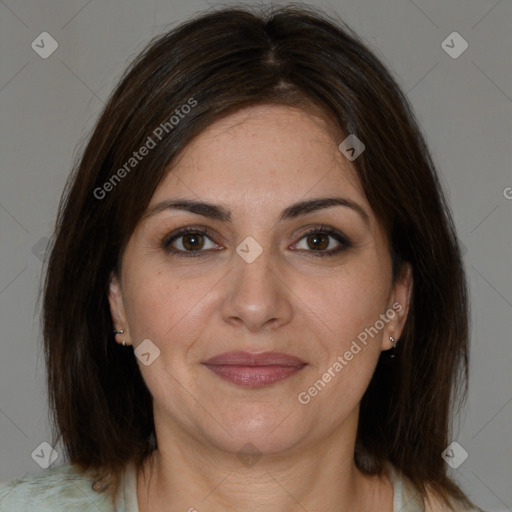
[{"x": 257, "y": 296}]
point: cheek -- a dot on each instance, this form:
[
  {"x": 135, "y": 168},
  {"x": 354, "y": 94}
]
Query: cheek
[
  {"x": 162, "y": 306},
  {"x": 357, "y": 295},
  {"x": 147, "y": 307},
  {"x": 350, "y": 350},
  {"x": 166, "y": 311}
]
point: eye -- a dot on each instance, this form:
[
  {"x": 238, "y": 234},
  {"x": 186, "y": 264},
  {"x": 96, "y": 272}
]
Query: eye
[
  {"x": 188, "y": 241},
  {"x": 323, "y": 241},
  {"x": 196, "y": 241}
]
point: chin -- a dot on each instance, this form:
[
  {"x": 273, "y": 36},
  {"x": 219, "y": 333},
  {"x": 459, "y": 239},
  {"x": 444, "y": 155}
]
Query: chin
[{"x": 262, "y": 430}]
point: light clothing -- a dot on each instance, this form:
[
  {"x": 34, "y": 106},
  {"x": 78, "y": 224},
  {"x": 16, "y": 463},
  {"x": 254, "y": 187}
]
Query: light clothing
[{"x": 63, "y": 489}]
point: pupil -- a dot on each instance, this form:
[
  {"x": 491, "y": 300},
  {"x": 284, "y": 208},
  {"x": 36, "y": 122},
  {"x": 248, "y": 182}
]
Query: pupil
[
  {"x": 317, "y": 241},
  {"x": 191, "y": 241}
]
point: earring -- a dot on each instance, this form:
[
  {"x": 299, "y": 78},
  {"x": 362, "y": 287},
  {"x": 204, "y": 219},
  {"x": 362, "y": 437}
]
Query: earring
[
  {"x": 392, "y": 354},
  {"x": 121, "y": 331}
]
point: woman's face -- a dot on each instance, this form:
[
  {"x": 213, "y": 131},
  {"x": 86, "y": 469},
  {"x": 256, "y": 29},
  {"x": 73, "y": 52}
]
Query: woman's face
[{"x": 257, "y": 282}]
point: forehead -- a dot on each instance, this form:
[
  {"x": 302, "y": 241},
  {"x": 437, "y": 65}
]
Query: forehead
[{"x": 261, "y": 155}]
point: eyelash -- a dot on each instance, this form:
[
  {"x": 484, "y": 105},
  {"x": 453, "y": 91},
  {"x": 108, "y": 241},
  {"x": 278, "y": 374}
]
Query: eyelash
[{"x": 337, "y": 235}]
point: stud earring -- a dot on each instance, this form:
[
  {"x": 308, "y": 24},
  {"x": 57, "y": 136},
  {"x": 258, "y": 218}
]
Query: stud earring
[
  {"x": 121, "y": 331},
  {"x": 391, "y": 352}
]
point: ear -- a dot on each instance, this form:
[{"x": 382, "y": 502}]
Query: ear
[
  {"x": 115, "y": 299},
  {"x": 398, "y": 306}
]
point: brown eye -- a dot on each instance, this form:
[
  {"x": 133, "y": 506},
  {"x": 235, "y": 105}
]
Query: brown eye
[
  {"x": 193, "y": 241},
  {"x": 323, "y": 241},
  {"x": 318, "y": 241},
  {"x": 189, "y": 242}
]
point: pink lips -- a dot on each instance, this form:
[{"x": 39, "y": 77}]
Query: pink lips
[{"x": 254, "y": 370}]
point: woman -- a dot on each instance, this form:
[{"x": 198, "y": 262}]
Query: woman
[{"x": 255, "y": 297}]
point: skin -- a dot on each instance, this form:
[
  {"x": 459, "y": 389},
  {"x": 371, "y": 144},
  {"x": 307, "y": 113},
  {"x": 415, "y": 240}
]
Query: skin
[{"x": 255, "y": 163}]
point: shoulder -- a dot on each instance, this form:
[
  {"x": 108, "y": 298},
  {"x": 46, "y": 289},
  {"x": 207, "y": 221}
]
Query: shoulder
[
  {"x": 59, "y": 489},
  {"x": 407, "y": 497}
]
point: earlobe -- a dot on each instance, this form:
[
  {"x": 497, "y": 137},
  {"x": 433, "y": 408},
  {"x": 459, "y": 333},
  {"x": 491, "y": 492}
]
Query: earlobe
[
  {"x": 115, "y": 299},
  {"x": 400, "y": 302}
]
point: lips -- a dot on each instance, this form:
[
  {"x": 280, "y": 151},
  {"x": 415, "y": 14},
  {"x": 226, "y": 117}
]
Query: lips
[{"x": 254, "y": 370}]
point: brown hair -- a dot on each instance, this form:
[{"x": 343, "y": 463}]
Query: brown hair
[{"x": 218, "y": 63}]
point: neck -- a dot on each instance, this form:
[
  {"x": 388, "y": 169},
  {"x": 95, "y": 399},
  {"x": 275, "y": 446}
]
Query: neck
[{"x": 185, "y": 475}]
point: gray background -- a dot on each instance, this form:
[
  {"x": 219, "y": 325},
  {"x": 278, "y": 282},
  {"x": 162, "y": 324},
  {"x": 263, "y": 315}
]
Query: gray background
[{"x": 464, "y": 106}]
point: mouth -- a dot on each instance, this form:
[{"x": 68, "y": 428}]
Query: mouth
[{"x": 254, "y": 370}]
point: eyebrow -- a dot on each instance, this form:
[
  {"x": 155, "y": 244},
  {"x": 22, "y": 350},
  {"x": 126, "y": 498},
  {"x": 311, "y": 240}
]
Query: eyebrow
[{"x": 217, "y": 212}]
